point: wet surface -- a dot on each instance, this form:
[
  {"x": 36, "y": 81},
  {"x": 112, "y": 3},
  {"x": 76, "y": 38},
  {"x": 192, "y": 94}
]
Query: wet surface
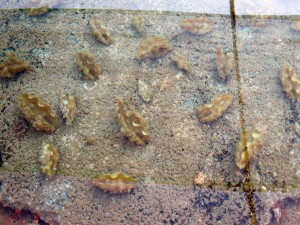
[{"x": 265, "y": 192}]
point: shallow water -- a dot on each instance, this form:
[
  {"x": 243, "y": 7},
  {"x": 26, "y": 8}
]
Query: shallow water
[{"x": 180, "y": 147}]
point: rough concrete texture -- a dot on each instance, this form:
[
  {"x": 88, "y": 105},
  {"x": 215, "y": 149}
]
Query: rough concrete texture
[
  {"x": 262, "y": 53},
  {"x": 277, "y": 207},
  {"x": 266, "y": 107},
  {"x": 179, "y": 145},
  {"x": 71, "y": 200},
  {"x": 199, "y": 6},
  {"x": 9, "y": 216},
  {"x": 267, "y": 7},
  {"x": 243, "y": 7}
]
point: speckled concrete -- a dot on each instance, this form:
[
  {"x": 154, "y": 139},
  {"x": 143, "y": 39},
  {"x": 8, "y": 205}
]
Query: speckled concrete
[
  {"x": 243, "y": 7},
  {"x": 196, "y": 6},
  {"x": 179, "y": 146}
]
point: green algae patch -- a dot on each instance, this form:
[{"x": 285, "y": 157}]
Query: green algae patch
[
  {"x": 12, "y": 66},
  {"x": 88, "y": 65},
  {"x": 68, "y": 107},
  {"x": 133, "y": 126},
  {"x": 250, "y": 143},
  {"x": 49, "y": 159},
  {"x": 154, "y": 48},
  {"x": 40, "y": 7},
  {"x": 215, "y": 109},
  {"x": 101, "y": 32},
  {"x": 290, "y": 83},
  {"x": 115, "y": 183},
  {"x": 38, "y": 113}
]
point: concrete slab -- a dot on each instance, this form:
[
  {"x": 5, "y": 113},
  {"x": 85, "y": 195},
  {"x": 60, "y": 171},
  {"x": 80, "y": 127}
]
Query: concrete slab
[
  {"x": 200, "y": 6},
  {"x": 179, "y": 146}
]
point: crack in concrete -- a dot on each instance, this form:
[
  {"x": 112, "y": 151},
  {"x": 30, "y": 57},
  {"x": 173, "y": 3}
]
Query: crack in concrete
[{"x": 248, "y": 187}]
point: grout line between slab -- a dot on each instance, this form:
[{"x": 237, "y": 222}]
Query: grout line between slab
[{"x": 248, "y": 188}]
